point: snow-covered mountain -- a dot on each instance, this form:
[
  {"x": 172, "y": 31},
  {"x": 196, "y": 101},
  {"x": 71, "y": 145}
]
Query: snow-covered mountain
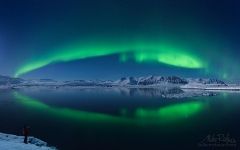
[
  {"x": 88, "y": 83},
  {"x": 80, "y": 83},
  {"x": 205, "y": 81},
  {"x": 38, "y": 82},
  {"x": 5, "y": 80},
  {"x": 170, "y": 80},
  {"x": 200, "y": 83},
  {"x": 152, "y": 81}
]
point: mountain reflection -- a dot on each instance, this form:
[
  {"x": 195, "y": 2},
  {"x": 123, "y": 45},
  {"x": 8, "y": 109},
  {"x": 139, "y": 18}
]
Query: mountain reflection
[
  {"x": 163, "y": 92},
  {"x": 165, "y": 114}
]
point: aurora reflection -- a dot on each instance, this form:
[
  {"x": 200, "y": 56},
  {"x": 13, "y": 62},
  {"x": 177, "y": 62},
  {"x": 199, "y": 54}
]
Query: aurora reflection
[{"x": 144, "y": 116}]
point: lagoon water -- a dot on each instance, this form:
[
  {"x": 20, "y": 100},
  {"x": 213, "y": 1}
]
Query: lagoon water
[{"x": 112, "y": 118}]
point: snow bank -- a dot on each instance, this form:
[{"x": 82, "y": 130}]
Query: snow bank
[{"x": 13, "y": 142}]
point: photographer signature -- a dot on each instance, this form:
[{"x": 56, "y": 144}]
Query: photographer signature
[{"x": 218, "y": 140}]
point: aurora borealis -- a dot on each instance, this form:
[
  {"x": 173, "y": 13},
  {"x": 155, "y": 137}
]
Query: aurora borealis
[
  {"x": 115, "y": 38},
  {"x": 153, "y": 53},
  {"x": 120, "y": 74}
]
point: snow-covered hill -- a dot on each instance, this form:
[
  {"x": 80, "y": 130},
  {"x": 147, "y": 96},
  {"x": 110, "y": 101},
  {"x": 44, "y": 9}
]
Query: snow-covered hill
[{"x": 13, "y": 142}]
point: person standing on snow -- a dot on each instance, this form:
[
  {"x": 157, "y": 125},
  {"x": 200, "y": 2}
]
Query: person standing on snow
[{"x": 25, "y": 133}]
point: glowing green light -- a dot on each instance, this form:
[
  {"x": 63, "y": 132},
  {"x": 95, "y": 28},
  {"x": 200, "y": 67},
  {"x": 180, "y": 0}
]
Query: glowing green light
[
  {"x": 31, "y": 67},
  {"x": 166, "y": 114},
  {"x": 175, "y": 59},
  {"x": 225, "y": 75},
  {"x": 143, "y": 52},
  {"x": 71, "y": 53},
  {"x": 69, "y": 113},
  {"x": 171, "y": 113}
]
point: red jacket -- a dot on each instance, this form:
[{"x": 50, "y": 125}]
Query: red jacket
[{"x": 25, "y": 131}]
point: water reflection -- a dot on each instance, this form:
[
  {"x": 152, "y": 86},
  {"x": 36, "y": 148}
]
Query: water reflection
[
  {"x": 167, "y": 92},
  {"x": 165, "y": 114},
  {"x": 67, "y": 112},
  {"x": 161, "y": 92},
  {"x": 171, "y": 113}
]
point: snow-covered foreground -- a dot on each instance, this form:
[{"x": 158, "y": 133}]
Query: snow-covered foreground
[{"x": 13, "y": 142}]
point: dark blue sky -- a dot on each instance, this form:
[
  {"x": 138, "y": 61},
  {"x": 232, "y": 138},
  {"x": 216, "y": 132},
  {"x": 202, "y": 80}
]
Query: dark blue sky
[{"x": 35, "y": 36}]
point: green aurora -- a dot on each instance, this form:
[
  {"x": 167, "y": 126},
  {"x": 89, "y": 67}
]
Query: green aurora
[
  {"x": 183, "y": 38},
  {"x": 139, "y": 51}
]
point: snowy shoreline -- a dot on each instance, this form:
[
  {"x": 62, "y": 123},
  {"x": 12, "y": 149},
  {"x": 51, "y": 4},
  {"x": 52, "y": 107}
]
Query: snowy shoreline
[
  {"x": 13, "y": 142},
  {"x": 164, "y": 87},
  {"x": 228, "y": 87}
]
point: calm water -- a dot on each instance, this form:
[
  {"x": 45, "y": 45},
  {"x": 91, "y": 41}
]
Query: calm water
[{"x": 106, "y": 118}]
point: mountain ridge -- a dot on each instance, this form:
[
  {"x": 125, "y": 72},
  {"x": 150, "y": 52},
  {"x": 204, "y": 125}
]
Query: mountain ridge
[{"x": 124, "y": 81}]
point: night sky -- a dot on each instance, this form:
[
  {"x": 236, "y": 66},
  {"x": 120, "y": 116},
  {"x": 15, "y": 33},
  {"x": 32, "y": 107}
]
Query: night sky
[{"x": 108, "y": 39}]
